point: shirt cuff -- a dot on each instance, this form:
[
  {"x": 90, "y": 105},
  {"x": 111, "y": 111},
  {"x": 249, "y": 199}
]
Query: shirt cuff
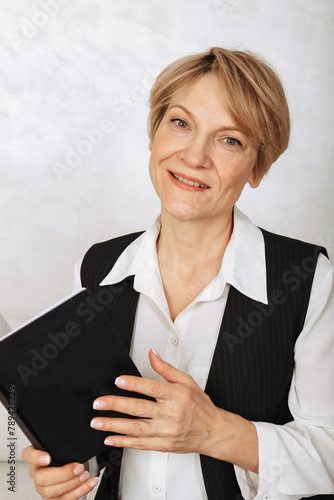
[
  {"x": 269, "y": 465},
  {"x": 265, "y": 485},
  {"x": 247, "y": 483}
]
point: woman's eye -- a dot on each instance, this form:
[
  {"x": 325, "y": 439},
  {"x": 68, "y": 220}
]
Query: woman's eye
[
  {"x": 231, "y": 141},
  {"x": 180, "y": 123}
]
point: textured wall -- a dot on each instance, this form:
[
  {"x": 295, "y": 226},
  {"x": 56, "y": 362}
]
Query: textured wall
[{"x": 74, "y": 81}]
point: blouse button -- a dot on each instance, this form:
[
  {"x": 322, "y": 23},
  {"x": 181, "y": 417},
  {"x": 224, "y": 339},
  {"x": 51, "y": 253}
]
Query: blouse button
[
  {"x": 156, "y": 488},
  {"x": 174, "y": 341}
]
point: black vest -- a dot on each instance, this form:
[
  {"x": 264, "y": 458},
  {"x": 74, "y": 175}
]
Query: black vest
[{"x": 253, "y": 360}]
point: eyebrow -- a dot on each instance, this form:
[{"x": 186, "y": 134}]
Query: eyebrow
[{"x": 233, "y": 129}]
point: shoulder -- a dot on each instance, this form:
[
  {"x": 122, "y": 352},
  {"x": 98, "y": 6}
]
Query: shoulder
[
  {"x": 113, "y": 245},
  {"x": 290, "y": 248},
  {"x": 292, "y": 264},
  {"x": 101, "y": 257},
  {"x": 295, "y": 269}
]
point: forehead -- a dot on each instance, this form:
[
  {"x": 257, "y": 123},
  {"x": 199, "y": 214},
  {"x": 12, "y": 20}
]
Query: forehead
[
  {"x": 205, "y": 98},
  {"x": 205, "y": 85}
]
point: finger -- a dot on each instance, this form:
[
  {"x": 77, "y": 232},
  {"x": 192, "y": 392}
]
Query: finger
[
  {"x": 55, "y": 475},
  {"x": 59, "y": 493},
  {"x": 35, "y": 457},
  {"x": 154, "y": 388},
  {"x": 142, "y": 443},
  {"x": 128, "y": 426},
  {"x": 73, "y": 489},
  {"x": 169, "y": 372},
  {"x": 131, "y": 406}
]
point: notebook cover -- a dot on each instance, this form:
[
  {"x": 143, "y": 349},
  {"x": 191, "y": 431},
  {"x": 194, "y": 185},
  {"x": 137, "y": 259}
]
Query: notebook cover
[{"x": 58, "y": 364}]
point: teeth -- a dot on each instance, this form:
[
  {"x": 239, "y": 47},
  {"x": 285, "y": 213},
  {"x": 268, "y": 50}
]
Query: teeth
[{"x": 191, "y": 183}]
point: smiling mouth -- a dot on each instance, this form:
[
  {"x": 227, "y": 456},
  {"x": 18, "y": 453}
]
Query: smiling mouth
[{"x": 187, "y": 181}]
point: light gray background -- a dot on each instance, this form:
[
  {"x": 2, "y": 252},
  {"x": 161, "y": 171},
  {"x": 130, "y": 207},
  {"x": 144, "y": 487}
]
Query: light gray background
[{"x": 68, "y": 68}]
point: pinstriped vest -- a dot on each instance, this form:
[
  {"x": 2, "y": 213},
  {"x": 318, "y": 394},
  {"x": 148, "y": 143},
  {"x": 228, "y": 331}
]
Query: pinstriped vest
[{"x": 253, "y": 360}]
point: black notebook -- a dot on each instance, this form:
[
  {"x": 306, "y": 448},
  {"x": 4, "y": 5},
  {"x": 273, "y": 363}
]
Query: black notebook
[{"x": 53, "y": 368}]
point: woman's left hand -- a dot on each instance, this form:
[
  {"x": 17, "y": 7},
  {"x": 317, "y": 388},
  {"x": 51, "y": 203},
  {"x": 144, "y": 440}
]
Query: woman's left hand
[{"x": 182, "y": 420}]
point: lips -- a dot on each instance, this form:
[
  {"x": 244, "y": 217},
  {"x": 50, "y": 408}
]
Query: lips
[{"x": 196, "y": 183}]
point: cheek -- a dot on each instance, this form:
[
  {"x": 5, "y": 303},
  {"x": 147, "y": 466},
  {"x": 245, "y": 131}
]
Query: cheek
[
  {"x": 164, "y": 144},
  {"x": 241, "y": 169},
  {"x": 155, "y": 171},
  {"x": 234, "y": 173},
  {"x": 162, "y": 149},
  {"x": 151, "y": 169}
]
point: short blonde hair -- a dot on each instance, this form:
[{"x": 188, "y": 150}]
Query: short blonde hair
[{"x": 253, "y": 91}]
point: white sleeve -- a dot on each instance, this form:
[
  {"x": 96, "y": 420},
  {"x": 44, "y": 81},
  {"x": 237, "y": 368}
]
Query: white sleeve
[
  {"x": 297, "y": 459},
  {"x": 4, "y": 326},
  {"x": 94, "y": 469},
  {"x": 76, "y": 283}
]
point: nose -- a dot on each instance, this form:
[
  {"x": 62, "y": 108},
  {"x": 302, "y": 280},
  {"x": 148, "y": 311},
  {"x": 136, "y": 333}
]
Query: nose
[{"x": 196, "y": 153}]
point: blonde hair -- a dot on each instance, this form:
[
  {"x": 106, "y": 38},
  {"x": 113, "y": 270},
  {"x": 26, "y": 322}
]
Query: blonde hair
[{"x": 253, "y": 91}]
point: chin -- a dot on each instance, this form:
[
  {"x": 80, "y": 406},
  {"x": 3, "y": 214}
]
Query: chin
[{"x": 182, "y": 212}]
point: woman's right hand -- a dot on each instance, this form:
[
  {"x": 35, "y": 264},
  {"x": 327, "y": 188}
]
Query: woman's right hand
[{"x": 69, "y": 482}]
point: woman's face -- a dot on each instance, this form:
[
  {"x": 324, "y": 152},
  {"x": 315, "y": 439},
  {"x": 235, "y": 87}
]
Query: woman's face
[{"x": 200, "y": 161}]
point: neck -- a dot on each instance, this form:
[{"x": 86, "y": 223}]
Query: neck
[{"x": 190, "y": 245}]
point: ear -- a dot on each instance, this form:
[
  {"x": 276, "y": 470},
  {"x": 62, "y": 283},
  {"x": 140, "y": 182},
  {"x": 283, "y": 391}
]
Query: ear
[
  {"x": 150, "y": 146},
  {"x": 254, "y": 180}
]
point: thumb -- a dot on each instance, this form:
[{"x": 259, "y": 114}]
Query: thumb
[{"x": 168, "y": 371}]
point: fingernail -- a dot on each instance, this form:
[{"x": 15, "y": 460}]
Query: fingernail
[
  {"x": 44, "y": 459},
  {"x": 121, "y": 382},
  {"x": 84, "y": 476},
  {"x": 109, "y": 442},
  {"x": 156, "y": 353},
  {"x": 96, "y": 424},
  {"x": 93, "y": 482},
  {"x": 99, "y": 405},
  {"x": 78, "y": 469}
]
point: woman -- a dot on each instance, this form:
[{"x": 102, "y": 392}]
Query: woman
[{"x": 240, "y": 317}]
